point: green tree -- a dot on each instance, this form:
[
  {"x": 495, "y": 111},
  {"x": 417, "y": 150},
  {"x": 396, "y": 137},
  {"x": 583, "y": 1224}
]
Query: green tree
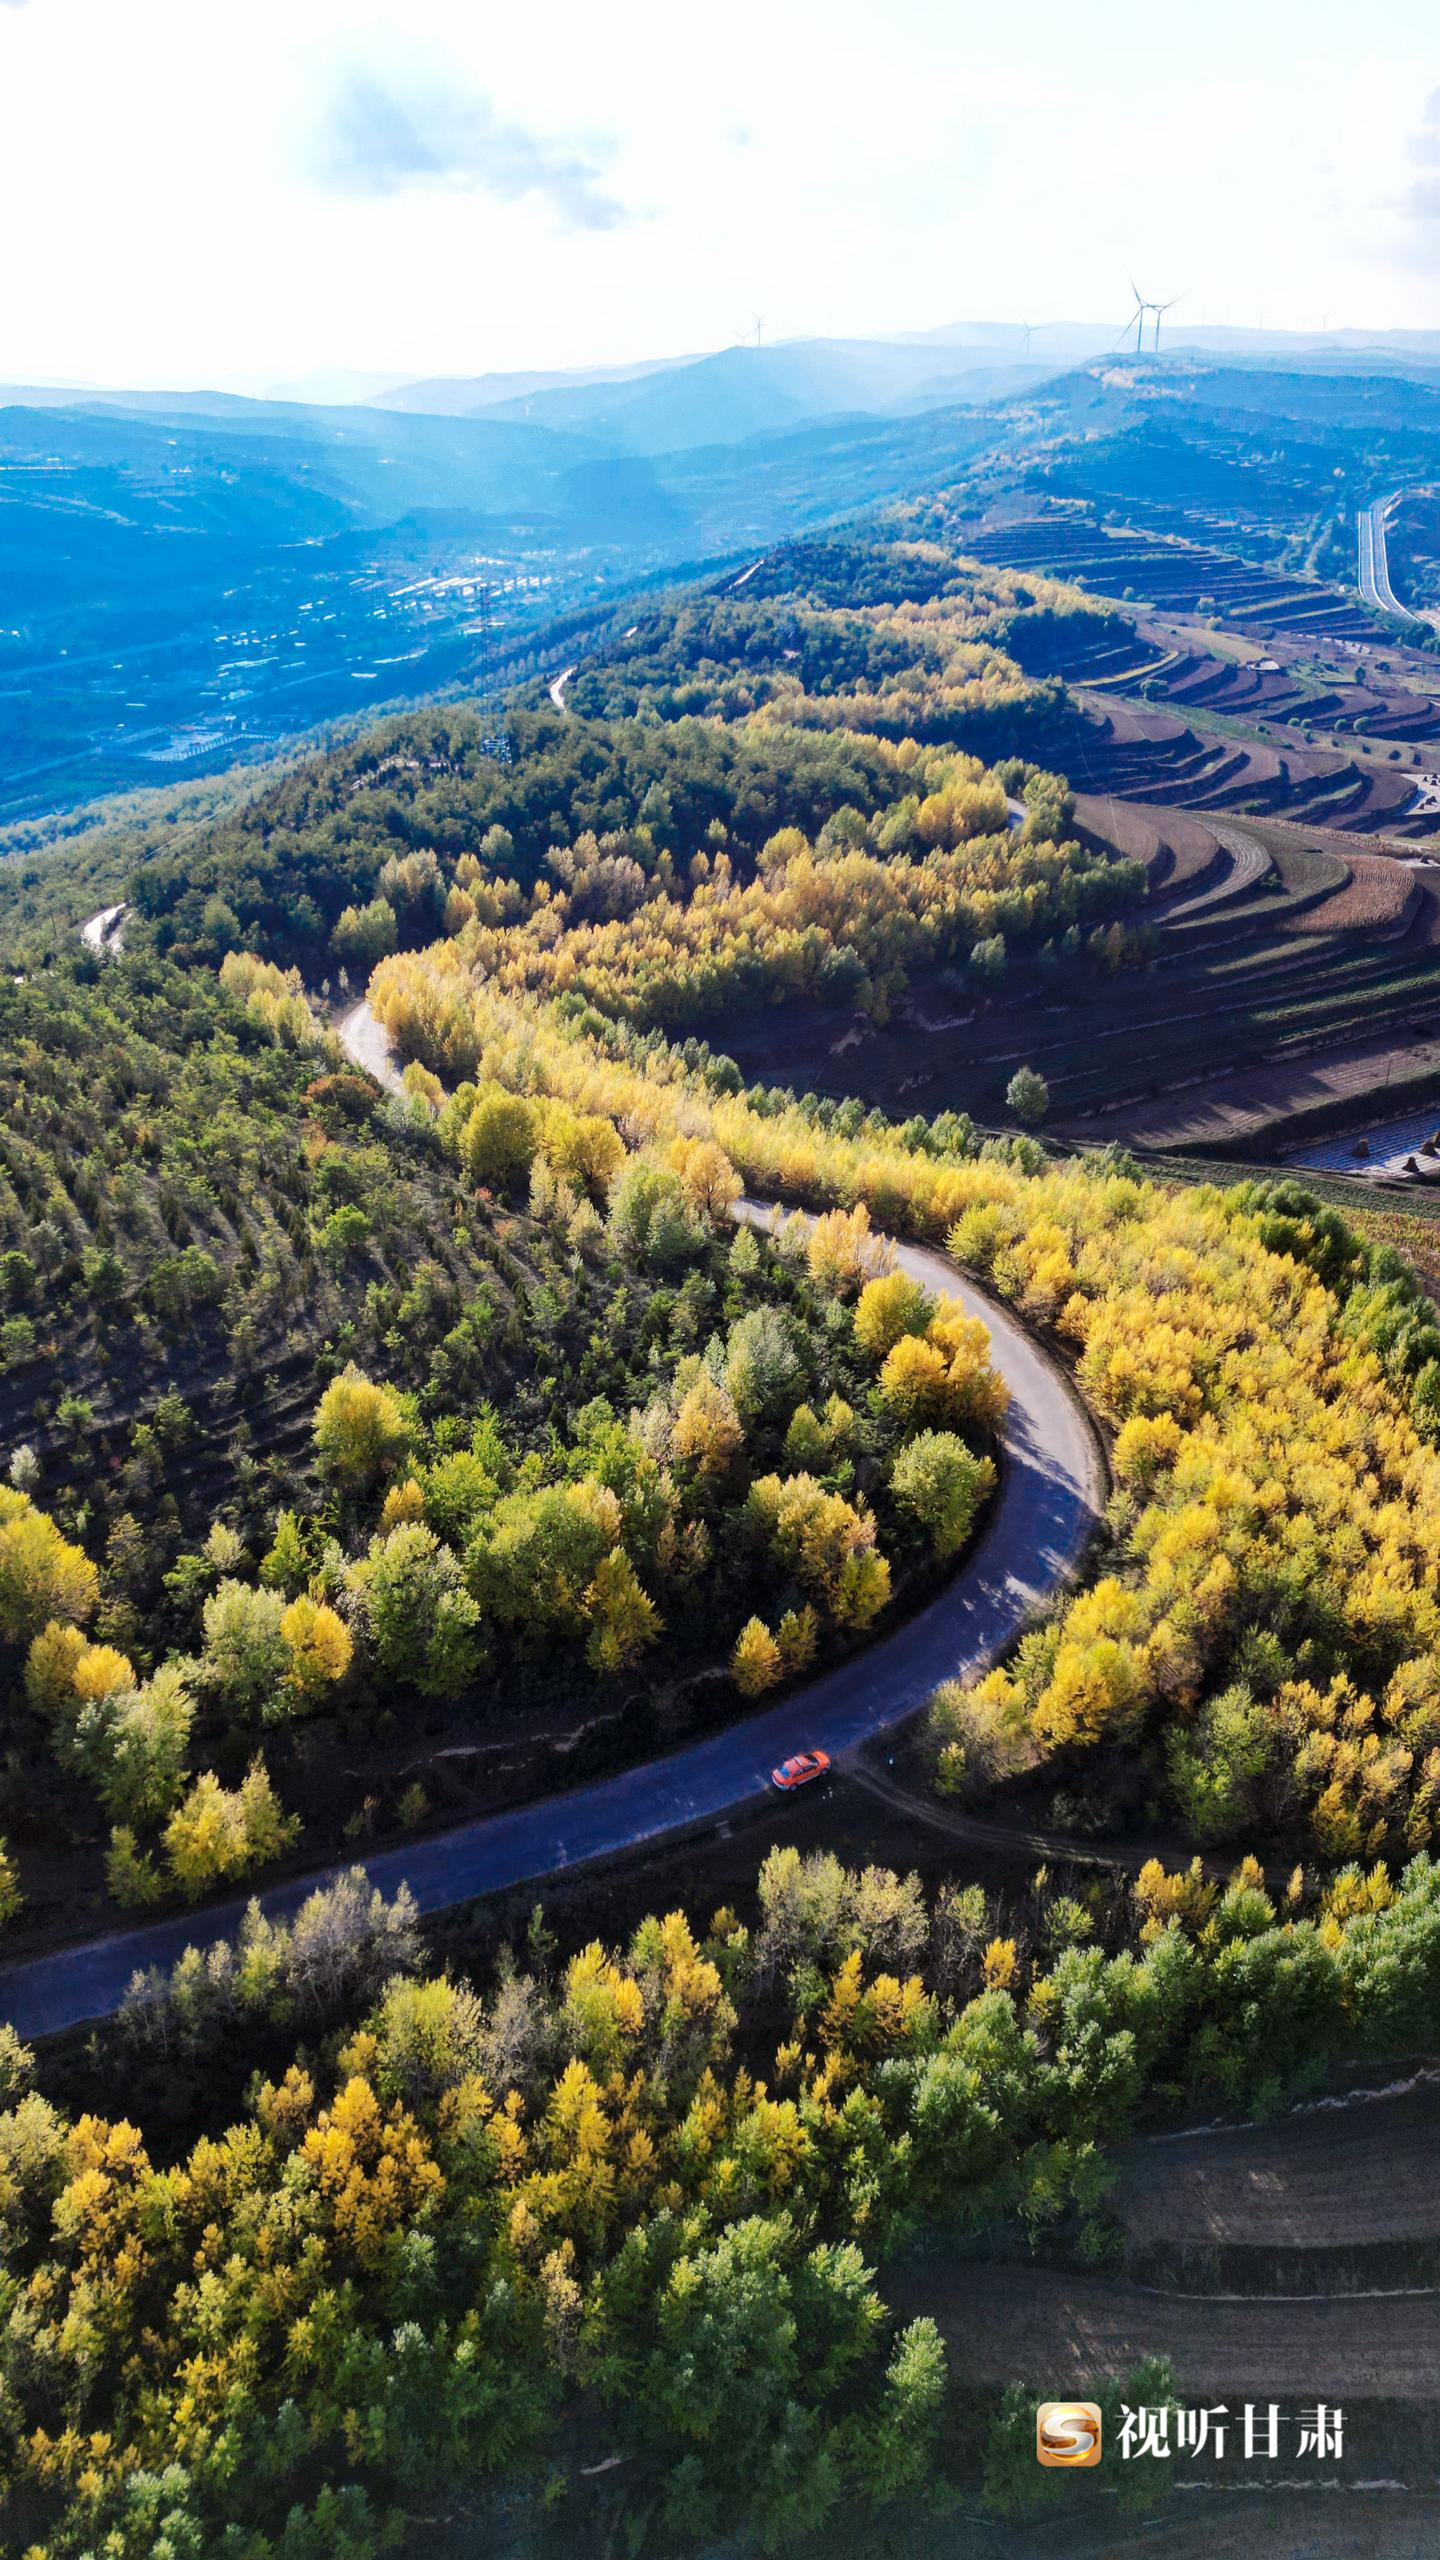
[
  {"x": 1218, "y": 1762},
  {"x": 423, "y": 1622},
  {"x": 893, "y": 2444},
  {"x": 652, "y": 1220},
  {"x": 245, "y": 1658},
  {"x": 944, "y": 1484},
  {"x": 763, "y": 1367},
  {"x": 290, "y": 1559},
  {"x": 1015, "y": 2484},
  {"x": 344, "y": 1232},
  {"x": 537, "y": 1555},
  {"x": 135, "y": 1744},
  {"x": 499, "y": 1139},
  {"x": 365, "y": 934},
  {"x": 1028, "y": 1095}
]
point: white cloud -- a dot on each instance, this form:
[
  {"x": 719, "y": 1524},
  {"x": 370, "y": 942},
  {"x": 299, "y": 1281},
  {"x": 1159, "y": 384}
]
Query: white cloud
[
  {"x": 380, "y": 130},
  {"x": 414, "y": 186},
  {"x": 1421, "y": 199}
]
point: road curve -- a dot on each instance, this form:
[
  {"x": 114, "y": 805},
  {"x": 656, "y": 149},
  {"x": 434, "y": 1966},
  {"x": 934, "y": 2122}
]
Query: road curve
[
  {"x": 1052, "y": 1480},
  {"x": 1374, "y": 561},
  {"x": 105, "y": 931},
  {"x": 368, "y": 1043}
]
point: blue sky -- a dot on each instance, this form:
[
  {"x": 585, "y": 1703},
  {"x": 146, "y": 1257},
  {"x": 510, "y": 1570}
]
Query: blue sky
[{"x": 204, "y": 194}]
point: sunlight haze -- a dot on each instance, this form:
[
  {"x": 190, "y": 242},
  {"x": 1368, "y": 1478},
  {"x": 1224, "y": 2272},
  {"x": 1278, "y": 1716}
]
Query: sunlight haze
[{"x": 300, "y": 194}]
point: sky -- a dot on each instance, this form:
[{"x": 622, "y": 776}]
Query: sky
[{"x": 198, "y": 194}]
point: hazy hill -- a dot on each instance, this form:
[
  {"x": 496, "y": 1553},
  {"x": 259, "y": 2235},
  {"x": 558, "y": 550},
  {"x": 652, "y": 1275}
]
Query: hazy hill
[
  {"x": 186, "y": 587},
  {"x": 738, "y": 392},
  {"x": 181, "y": 590},
  {"x": 452, "y": 395},
  {"x": 735, "y": 392}
]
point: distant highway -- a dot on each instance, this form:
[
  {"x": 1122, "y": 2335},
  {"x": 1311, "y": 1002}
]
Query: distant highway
[
  {"x": 1052, "y": 1485},
  {"x": 1374, "y": 564}
]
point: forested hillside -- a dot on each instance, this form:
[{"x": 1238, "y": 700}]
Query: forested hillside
[
  {"x": 601, "y": 1427},
  {"x": 630, "y": 2203},
  {"x": 870, "y": 644},
  {"x": 381, "y": 1455}
]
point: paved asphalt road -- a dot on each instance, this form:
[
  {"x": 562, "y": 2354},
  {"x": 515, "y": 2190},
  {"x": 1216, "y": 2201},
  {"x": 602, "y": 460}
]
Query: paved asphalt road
[
  {"x": 1051, "y": 1486},
  {"x": 1374, "y": 563}
]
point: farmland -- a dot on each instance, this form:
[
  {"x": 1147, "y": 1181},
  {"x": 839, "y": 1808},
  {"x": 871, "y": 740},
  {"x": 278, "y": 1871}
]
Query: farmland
[
  {"x": 1236, "y": 720},
  {"x": 1292, "y": 730}
]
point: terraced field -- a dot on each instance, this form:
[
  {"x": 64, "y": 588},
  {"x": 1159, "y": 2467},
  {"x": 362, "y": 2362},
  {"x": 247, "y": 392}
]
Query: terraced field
[
  {"x": 1170, "y": 573},
  {"x": 1288, "y": 2262},
  {"x": 1257, "y": 725},
  {"x": 1285, "y": 975},
  {"x": 1265, "y": 979},
  {"x": 1261, "y": 690},
  {"x": 1141, "y": 752}
]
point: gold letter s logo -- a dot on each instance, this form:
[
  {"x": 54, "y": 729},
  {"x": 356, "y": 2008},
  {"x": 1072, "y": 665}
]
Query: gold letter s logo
[{"x": 1067, "y": 2434}]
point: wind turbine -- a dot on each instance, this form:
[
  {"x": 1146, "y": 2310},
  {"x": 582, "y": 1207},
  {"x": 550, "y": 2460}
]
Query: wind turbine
[
  {"x": 1158, "y": 310},
  {"x": 759, "y": 325},
  {"x": 1136, "y": 320},
  {"x": 1026, "y": 333}
]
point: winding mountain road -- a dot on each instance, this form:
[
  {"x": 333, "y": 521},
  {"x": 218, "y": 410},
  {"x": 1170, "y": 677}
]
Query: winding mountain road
[{"x": 1052, "y": 1481}]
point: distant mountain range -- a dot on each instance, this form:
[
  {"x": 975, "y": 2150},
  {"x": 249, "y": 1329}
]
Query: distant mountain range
[
  {"x": 673, "y": 404},
  {"x": 741, "y": 391},
  {"x": 668, "y": 406},
  {"x": 183, "y": 585},
  {"x": 187, "y": 577}
]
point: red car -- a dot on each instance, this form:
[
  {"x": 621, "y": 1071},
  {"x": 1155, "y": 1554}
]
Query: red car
[{"x": 799, "y": 1771}]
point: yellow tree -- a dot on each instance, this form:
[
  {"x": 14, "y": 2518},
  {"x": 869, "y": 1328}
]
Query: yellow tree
[
  {"x": 42, "y": 1575},
  {"x": 889, "y": 1308},
  {"x": 756, "y": 1661},
  {"x": 361, "y": 1432},
  {"x": 319, "y": 1646},
  {"x": 707, "y": 1428}
]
